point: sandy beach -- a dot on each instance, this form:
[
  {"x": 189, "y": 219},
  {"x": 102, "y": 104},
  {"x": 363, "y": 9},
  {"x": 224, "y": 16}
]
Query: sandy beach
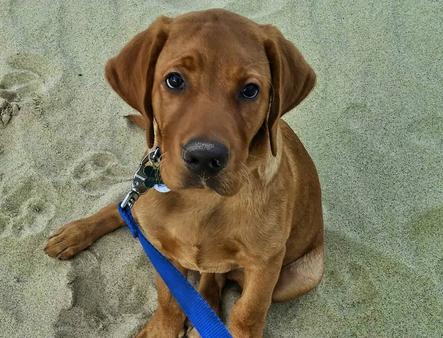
[{"x": 373, "y": 125}]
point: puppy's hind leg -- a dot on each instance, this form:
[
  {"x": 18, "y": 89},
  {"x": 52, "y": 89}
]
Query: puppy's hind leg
[
  {"x": 78, "y": 235},
  {"x": 301, "y": 276}
]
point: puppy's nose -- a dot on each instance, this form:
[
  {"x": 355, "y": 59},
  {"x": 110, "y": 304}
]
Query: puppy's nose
[{"x": 205, "y": 158}]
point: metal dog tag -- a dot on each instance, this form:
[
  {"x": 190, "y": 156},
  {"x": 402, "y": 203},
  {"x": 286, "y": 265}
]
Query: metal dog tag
[{"x": 146, "y": 177}]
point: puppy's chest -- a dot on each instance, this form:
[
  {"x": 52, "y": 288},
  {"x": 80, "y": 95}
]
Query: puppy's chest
[{"x": 206, "y": 238}]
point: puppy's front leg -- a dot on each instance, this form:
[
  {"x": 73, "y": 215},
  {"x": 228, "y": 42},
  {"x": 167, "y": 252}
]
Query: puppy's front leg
[
  {"x": 78, "y": 235},
  {"x": 168, "y": 319},
  {"x": 248, "y": 314}
]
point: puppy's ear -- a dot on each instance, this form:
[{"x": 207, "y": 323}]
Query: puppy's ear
[
  {"x": 292, "y": 78},
  {"x": 131, "y": 72}
]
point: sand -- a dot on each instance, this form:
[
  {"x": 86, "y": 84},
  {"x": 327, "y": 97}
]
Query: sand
[{"x": 373, "y": 125}]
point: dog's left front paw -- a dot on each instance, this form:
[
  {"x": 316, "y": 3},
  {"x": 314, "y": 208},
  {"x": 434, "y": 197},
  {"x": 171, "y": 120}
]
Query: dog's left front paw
[
  {"x": 240, "y": 330},
  {"x": 162, "y": 326}
]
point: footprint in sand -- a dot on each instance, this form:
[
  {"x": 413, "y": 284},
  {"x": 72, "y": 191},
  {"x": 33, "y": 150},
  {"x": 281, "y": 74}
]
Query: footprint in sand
[
  {"x": 7, "y": 110},
  {"x": 28, "y": 80},
  {"x": 27, "y": 206},
  {"x": 96, "y": 172}
]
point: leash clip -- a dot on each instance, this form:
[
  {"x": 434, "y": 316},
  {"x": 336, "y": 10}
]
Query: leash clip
[{"x": 146, "y": 176}]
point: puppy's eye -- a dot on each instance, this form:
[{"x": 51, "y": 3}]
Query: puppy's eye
[
  {"x": 250, "y": 91},
  {"x": 175, "y": 81}
]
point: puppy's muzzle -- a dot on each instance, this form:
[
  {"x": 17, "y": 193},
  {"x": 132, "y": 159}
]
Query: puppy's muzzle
[{"x": 205, "y": 158}]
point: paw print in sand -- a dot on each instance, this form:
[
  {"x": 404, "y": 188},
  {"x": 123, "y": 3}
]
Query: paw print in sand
[
  {"x": 7, "y": 110},
  {"x": 29, "y": 78},
  {"x": 96, "y": 172},
  {"x": 27, "y": 206}
]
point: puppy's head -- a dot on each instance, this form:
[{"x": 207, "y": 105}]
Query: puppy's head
[{"x": 215, "y": 84}]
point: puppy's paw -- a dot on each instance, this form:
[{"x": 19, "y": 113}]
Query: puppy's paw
[
  {"x": 161, "y": 326},
  {"x": 69, "y": 240}
]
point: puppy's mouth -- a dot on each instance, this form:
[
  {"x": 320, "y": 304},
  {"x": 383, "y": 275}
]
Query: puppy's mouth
[
  {"x": 218, "y": 184},
  {"x": 224, "y": 184}
]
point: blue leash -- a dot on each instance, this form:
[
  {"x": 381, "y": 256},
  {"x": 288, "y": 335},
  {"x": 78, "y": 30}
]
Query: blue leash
[{"x": 193, "y": 305}]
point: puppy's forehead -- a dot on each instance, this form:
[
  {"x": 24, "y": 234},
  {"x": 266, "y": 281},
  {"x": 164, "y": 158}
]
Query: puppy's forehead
[
  {"x": 219, "y": 36},
  {"x": 205, "y": 24}
]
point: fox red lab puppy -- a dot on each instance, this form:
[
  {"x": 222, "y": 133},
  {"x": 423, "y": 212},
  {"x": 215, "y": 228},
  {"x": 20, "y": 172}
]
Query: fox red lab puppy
[{"x": 245, "y": 201}]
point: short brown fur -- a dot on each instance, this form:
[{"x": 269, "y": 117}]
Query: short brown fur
[{"x": 259, "y": 222}]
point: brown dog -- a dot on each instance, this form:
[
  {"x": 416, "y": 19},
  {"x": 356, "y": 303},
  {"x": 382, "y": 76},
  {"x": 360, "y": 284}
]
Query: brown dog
[{"x": 245, "y": 201}]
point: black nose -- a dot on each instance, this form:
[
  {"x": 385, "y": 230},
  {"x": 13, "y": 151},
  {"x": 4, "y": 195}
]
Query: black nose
[{"x": 205, "y": 158}]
